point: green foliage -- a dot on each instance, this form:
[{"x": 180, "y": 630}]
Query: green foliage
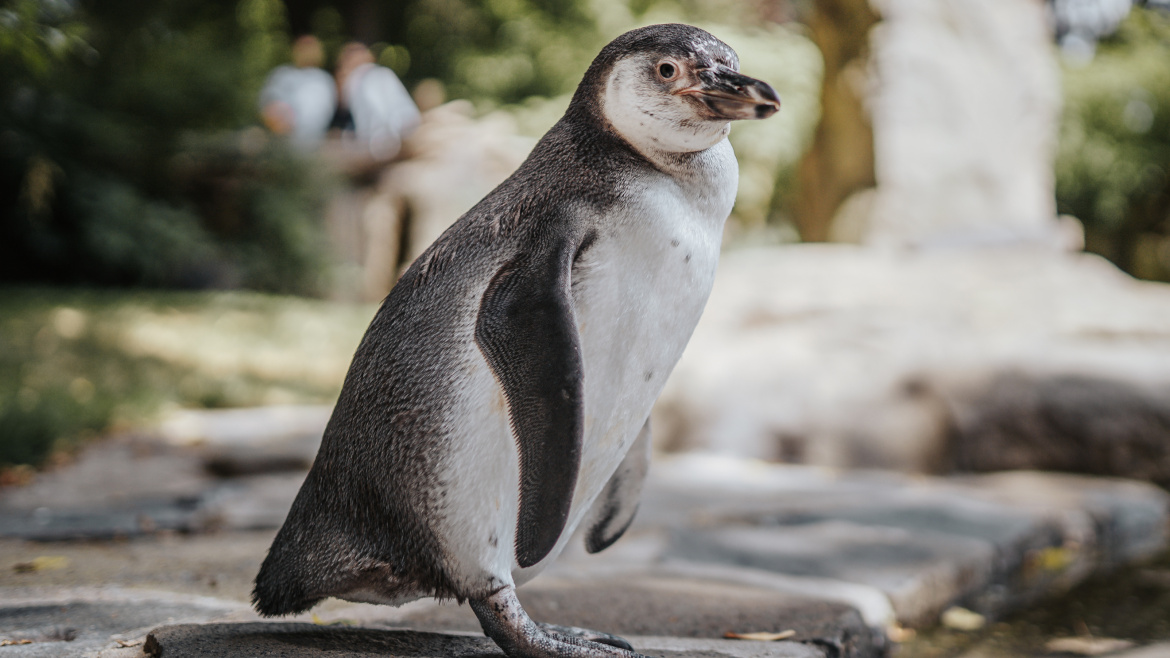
[
  {"x": 114, "y": 165},
  {"x": 501, "y": 50},
  {"x": 35, "y": 36},
  {"x": 1113, "y": 167}
]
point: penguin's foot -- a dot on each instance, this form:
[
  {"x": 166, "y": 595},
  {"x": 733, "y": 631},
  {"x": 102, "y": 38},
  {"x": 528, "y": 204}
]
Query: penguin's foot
[
  {"x": 586, "y": 634},
  {"x": 505, "y": 622}
]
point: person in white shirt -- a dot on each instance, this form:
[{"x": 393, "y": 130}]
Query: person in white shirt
[
  {"x": 381, "y": 111},
  {"x": 298, "y": 100}
]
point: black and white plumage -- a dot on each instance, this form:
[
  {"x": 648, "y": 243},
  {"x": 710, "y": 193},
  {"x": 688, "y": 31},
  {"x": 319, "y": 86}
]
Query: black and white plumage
[{"x": 492, "y": 406}]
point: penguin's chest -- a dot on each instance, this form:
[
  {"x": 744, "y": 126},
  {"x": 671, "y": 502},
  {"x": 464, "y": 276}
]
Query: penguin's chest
[{"x": 638, "y": 294}]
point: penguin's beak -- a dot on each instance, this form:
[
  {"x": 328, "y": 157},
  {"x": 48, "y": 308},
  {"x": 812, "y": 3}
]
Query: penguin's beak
[{"x": 730, "y": 95}]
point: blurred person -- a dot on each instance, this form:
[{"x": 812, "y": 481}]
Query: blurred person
[
  {"x": 374, "y": 107},
  {"x": 299, "y": 100}
]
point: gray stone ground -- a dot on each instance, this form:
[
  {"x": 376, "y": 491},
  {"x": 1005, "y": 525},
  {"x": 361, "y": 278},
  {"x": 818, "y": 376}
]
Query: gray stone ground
[{"x": 137, "y": 546}]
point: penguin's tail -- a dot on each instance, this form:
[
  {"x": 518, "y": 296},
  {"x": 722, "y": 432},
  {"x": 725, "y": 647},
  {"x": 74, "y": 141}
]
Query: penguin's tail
[{"x": 279, "y": 589}]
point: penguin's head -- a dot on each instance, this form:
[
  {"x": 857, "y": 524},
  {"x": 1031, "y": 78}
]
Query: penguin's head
[{"x": 672, "y": 88}]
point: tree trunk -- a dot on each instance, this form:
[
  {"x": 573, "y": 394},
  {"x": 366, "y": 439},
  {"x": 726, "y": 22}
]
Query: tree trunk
[{"x": 841, "y": 160}]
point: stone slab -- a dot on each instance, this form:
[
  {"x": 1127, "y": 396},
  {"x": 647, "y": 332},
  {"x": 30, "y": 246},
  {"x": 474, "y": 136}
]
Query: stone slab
[
  {"x": 250, "y": 441},
  {"x": 85, "y": 621},
  {"x": 649, "y": 602},
  {"x": 921, "y": 573},
  {"x": 288, "y": 640},
  {"x": 992, "y": 543},
  {"x": 240, "y": 503}
]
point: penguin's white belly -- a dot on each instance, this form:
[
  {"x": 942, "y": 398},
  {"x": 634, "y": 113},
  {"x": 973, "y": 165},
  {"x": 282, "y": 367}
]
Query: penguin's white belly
[
  {"x": 642, "y": 293},
  {"x": 638, "y": 293}
]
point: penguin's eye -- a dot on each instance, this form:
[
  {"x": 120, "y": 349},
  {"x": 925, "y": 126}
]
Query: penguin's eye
[{"x": 667, "y": 70}]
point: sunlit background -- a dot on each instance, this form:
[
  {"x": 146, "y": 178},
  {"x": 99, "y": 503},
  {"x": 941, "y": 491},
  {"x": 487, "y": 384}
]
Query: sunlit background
[
  {"x": 950, "y": 250},
  {"x": 135, "y": 165}
]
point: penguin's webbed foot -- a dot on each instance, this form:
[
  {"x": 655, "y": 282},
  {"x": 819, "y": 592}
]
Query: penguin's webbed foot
[
  {"x": 505, "y": 622},
  {"x": 586, "y": 634}
]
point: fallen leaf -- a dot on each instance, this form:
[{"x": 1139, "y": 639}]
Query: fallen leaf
[
  {"x": 962, "y": 619},
  {"x": 9, "y": 643},
  {"x": 1087, "y": 646},
  {"x": 336, "y": 622},
  {"x": 760, "y": 636},
  {"x": 129, "y": 643},
  {"x": 1053, "y": 558},
  {"x": 42, "y": 563}
]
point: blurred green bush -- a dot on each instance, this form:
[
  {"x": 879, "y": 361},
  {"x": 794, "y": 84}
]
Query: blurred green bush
[
  {"x": 1113, "y": 166},
  {"x": 124, "y": 157}
]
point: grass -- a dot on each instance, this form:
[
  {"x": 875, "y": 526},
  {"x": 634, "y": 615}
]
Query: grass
[{"x": 75, "y": 363}]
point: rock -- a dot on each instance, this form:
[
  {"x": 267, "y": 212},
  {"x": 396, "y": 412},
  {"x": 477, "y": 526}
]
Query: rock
[
  {"x": 1070, "y": 423},
  {"x": 82, "y": 622},
  {"x": 655, "y": 602},
  {"x": 112, "y": 472},
  {"x": 113, "y": 521},
  {"x": 919, "y": 572},
  {"x": 235, "y": 442},
  {"x": 939, "y": 126},
  {"x": 252, "y": 503},
  {"x": 860, "y": 357},
  {"x": 215, "y": 565},
  {"x": 291, "y": 640},
  {"x": 991, "y": 543},
  {"x": 965, "y": 102},
  {"x": 288, "y": 640},
  {"x": 118, "y": 488},
  {"x": 245, "y": 503},
  {"x": 174, "y": 480}
]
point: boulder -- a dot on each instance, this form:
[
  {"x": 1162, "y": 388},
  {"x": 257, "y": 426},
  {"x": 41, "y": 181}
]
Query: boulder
[
  {"x": 965, "y": 101},
  {"x": 860, "y": 357}
]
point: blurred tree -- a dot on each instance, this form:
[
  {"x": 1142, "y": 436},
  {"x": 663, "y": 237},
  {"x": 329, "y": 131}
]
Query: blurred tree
[
  {"x": 1113, "y": 166},
  {"x": 841, "y": 159},
  {"x": 112, "y": 167},
  {"x": 498, "y": 51}
]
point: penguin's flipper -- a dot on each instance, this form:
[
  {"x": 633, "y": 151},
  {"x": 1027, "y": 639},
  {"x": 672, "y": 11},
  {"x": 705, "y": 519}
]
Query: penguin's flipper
[
  {"x": 527, "y": 332},
  {"x": 613, "y": 511}
]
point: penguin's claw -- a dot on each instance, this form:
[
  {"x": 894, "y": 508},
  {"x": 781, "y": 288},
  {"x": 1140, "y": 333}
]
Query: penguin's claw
[
  {"x": 505, "y": 622},
  {"x": 586, "y": 634}
]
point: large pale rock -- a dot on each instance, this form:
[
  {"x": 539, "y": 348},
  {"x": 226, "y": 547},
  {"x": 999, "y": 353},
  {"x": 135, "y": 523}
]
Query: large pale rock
[
  {"x": 844, "y": 356},
  {"x": 964, "y": 101}
]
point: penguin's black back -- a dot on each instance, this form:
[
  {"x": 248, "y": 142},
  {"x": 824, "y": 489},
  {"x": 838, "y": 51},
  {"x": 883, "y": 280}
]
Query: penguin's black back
[{"x": 363, "y": 518}]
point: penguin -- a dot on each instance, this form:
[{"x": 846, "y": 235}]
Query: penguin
[{"x": 500, "y": 398}]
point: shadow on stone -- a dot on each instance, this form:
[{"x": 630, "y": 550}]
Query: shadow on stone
[
  {"x": 288, "y": 640},
  {"x": 291, "y": 640}
]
